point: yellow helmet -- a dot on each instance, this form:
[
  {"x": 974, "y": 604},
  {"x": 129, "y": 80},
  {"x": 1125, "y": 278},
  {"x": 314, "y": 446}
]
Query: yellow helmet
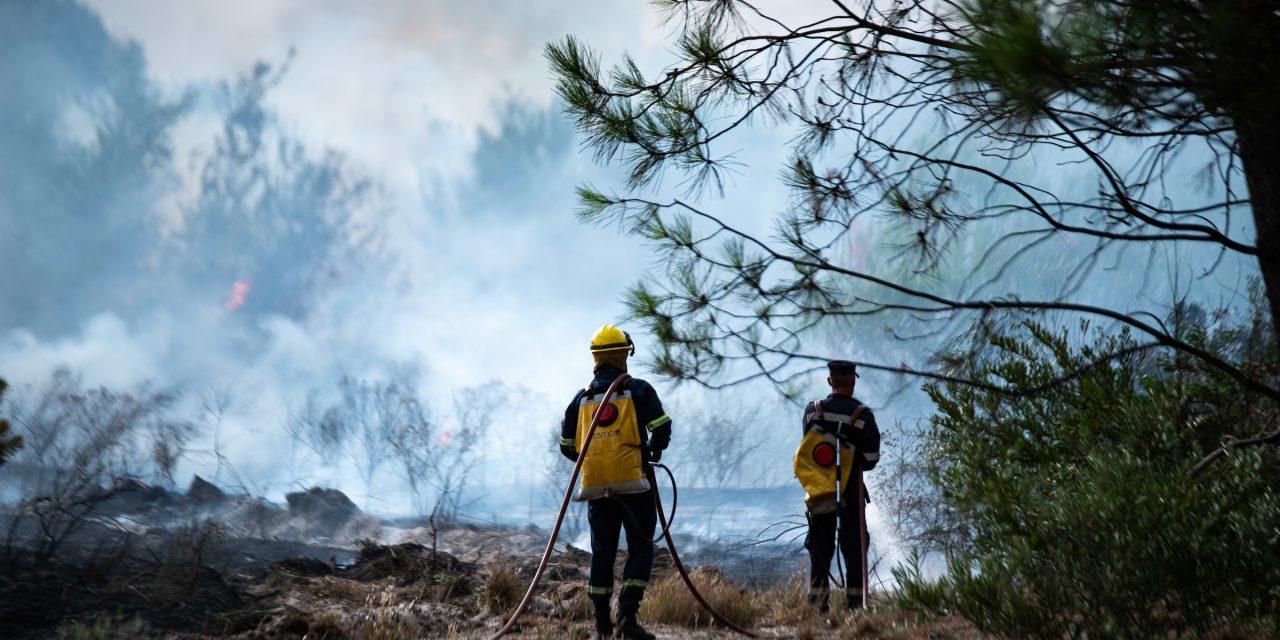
[{"x": 611, "y": 338}]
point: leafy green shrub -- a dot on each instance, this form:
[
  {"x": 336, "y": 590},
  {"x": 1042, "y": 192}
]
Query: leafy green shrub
[
  {"x": 917, "y": 594},
  {"x": 1081, "y": 513}
]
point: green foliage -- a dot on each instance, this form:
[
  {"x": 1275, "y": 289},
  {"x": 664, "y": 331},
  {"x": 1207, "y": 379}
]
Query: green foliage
[
  {"x": 917, "y": 593},
  {"x": 1082, "y": 515},
  {"x": 109, "y": 627},
  {"x": 925, "y": 128},
  {"x": 1028, "y": 56},
  {"x": 9, "y": 444},
  {"x": 1117, "y": 55},
  {"x": 593, "y": 204}
]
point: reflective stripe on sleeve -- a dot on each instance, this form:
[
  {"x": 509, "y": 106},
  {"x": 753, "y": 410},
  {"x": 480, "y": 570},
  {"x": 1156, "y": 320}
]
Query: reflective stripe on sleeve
[
  {"x": 658, "y": 422},
  {"x": 871, "y": 456},
  {"x": 567, "y": 442}
]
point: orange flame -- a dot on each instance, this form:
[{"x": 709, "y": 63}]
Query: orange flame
[{"x": 239, "y": 291}]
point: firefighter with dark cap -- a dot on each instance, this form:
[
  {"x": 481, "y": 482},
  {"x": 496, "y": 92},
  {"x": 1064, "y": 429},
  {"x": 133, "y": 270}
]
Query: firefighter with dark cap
[
  {"x": 617, "y": 484},
  {"x": 840, "y": 440}
]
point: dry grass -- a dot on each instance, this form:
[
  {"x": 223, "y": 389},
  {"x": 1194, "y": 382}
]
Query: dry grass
[
  {"x": 787, "y": 603},
  {"x": 502, "y": 590},
  {"x": 787, "y": 608},
  {"x": 807, "y": 632},
  {"x": 343, "y": 590},
  {"x": 578, "y": 632},
  {"x": 884, "y": 619},
  {"x": 668, "y": 601},
  {"x": 327, "y": 626},
  {"x": 387, "y": 620},
  {"x": 572, "y": 603}
]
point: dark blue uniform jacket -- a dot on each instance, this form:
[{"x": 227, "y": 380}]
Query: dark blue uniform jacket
[{"x": 863, "y": 434}]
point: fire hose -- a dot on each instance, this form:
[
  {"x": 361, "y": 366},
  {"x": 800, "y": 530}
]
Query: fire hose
[{"x": 564, "y": 507}]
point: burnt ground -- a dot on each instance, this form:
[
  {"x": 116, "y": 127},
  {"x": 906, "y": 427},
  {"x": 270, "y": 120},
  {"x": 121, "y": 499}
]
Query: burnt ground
[
  {"x": 254, "y": 570},
  {"x": 200, "y": 582},
  {"x": 37, "y": 601},
  {"x": 212, "y": 585},
  {"x": 389, "y": 591}
]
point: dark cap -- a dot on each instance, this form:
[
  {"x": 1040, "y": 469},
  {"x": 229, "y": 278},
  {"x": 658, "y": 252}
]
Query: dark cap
[{"x": 842, "y": 368}]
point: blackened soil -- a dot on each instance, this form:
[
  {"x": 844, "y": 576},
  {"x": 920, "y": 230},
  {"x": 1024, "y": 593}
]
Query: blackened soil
[{"x": 38, "y": 599}]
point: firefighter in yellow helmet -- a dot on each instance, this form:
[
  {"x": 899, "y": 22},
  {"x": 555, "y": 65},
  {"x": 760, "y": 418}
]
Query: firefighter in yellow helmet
[
  {"x": 632, "y": 432},
  {"x": 840, "y": 440}
]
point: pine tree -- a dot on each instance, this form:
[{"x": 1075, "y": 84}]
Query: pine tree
[
  {"x": 954, "y": 165},
  {"x": 9, "y": 444}
]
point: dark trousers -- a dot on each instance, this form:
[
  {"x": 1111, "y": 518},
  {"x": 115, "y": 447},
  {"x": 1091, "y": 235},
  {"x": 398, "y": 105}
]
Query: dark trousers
[
  {"x": 636, "y": 515},
  {"x": 821, "y": 543}
]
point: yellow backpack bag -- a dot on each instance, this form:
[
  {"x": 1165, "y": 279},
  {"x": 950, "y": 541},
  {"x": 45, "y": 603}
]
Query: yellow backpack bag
[
  {"x": 614, "y": 464},
  {"x": 817, "y": 460}
]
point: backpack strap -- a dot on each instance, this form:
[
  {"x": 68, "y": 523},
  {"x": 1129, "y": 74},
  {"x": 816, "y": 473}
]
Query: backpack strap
[
  {"x": 815, "y": 416},
  {"x": 853, "y": 419},
  {"x": 818, "y": 414}
]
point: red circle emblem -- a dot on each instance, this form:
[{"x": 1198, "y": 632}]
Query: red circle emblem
[
  {"x": 824, "y": 454},
  {"x": 608, "y": 413}
]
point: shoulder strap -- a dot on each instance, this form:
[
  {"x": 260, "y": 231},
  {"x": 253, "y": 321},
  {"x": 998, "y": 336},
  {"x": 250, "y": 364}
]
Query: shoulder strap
[
  {"x": 819, "y": 415},
  {"x": 853, "y": 419}
]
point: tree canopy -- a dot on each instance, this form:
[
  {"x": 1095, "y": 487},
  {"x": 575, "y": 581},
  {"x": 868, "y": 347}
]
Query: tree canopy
[
  {"x": 945, "y": 131},
  {"x": 9, "y": 443}
]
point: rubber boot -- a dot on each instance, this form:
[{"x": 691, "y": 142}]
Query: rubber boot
[
  {"x": 604, "y": 624},
  {"x": 818, "y": 601},
  {"x": 629, "y": 628},
  {"x": 853, "y": 600}
]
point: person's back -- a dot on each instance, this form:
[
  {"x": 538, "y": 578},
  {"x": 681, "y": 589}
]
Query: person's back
[
  {"x": 616, "y": 481},
  {"x": 850, "y": 428}
]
